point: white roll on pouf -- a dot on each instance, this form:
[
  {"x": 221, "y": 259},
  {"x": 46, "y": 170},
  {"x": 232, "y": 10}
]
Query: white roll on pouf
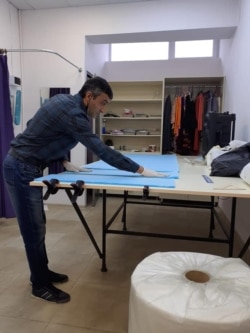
[{"x": 185, "y": 292}]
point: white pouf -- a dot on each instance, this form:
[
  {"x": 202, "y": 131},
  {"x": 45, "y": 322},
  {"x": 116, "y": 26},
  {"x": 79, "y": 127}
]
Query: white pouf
[{"x": 185, "y": 292}]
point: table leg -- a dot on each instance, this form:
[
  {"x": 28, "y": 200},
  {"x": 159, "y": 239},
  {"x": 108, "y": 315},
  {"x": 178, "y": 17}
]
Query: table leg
[
  {"x": 124, "y": 212},
  {"x": 212, "y": 224},
  {"x": 104, "y": 217},
  {"x": 84, "y": 223},
  {"x": 232, "y": 227},
  {"x": 244, "y": 249}
]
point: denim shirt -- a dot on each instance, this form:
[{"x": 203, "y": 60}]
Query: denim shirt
[{"x": 58, "y": 126}]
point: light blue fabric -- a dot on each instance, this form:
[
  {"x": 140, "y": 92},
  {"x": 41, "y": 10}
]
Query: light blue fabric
[
  {"x": 163, "y": 163},
  {"x": 103, "y": 173},
  {"x": 140, "y": 181},
  {"x": 121, "y": 173}
]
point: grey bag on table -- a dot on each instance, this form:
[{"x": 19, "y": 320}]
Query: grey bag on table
[{"x": 232, "y": 162}]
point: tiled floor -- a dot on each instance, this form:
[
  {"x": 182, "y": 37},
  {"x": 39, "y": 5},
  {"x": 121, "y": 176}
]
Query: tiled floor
[{"x": 99, "y": 301}]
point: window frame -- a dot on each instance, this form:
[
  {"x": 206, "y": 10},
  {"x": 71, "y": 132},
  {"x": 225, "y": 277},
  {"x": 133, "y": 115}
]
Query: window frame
[{"x": 172, "y": 53}]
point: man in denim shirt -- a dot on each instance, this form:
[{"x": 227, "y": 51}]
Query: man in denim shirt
[{"x": 60, "y": 124}]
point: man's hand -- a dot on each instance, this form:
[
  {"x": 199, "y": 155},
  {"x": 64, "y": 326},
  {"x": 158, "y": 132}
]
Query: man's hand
[
  {"x": 73, "y": 168},
  {"x": 152, "y": 173}
]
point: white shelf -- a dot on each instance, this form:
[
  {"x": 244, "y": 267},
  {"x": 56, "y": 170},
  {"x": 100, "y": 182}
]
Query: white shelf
[
  {"x": 145, "y": 98},
  {"x": 131, "y": 118},
  {"x": 139, "y": 151},
  {"x": 135, "y": 135},
  {"x": 151, "y": 100}
]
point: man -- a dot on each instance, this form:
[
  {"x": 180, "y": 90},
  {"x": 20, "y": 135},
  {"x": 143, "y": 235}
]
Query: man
[{"x": 55, "y": 129}]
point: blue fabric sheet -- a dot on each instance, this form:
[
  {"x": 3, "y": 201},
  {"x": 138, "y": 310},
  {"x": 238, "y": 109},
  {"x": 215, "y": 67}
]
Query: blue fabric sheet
[
  {"x": 102, "y": 173},
  {"x": 121, "y": 173},
  {"x": 163, "y": 163},
  {"x": 73, "y": 177}
]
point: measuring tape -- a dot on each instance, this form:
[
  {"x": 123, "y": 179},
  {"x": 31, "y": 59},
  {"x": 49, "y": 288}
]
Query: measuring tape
[{"x": 207, "y": 179}]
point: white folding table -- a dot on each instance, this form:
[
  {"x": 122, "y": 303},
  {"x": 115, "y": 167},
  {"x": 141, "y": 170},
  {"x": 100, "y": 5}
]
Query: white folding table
[{"x": 187, "y": 177}]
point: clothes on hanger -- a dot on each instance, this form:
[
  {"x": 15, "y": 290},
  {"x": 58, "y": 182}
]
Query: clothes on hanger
[{"x": 189, "y": 107}]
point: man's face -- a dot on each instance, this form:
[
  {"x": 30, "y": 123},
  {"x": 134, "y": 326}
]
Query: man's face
[{"x": 95, "y": 105}]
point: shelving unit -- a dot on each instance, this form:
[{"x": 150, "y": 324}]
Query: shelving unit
[{"x": 135, "y": 120}]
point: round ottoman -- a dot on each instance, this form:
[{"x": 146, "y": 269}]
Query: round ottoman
[{"x": 186, "y": 292}]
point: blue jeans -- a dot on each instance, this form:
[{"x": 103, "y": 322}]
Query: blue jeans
[{"x": 27, "y": 202}]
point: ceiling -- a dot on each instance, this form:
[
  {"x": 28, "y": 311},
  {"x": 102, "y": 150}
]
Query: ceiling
[
  {"x": 48, "y": 4},
  {"x": 209, "y": 33}
]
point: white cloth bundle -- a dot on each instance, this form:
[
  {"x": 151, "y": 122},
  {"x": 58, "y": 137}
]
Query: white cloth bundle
[
  {"x": 189, "y": 292},
  {"x": 245, "y": 173}
]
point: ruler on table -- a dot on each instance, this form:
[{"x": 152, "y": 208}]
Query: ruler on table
[{"x": 207, "y": 179}]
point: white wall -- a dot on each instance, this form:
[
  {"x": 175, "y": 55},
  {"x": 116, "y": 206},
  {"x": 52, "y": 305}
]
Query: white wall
[
  {"x": 9, "y": 35},
  {"x": 236, "y": 66},
  {"x": 66, "y": 30},
  {"x": 95, "y": 57},
  {"x": 158, "y": 70},
  {"x": 237, "y": 71}
]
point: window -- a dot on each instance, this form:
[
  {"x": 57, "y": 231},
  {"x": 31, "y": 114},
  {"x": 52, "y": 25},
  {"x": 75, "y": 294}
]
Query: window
[
  {"x": 194, "y": 48},
  {"x": 139, "y": 51},
  {"x": 161, "y": 50}
]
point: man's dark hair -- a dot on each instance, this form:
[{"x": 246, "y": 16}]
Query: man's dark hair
[{"x": 97, "y": 85}]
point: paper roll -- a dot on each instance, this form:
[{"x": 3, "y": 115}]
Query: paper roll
[{"x": 185, "y": 292}]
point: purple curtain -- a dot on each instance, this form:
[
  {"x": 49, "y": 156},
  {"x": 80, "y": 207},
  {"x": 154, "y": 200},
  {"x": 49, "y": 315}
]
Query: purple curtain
[
  {"x": 6, "y": 134},
  {"x": 56, "y": 167}
]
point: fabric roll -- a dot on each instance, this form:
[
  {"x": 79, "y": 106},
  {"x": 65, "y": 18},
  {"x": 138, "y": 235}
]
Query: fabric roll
[{"x": 189, "y": 292}]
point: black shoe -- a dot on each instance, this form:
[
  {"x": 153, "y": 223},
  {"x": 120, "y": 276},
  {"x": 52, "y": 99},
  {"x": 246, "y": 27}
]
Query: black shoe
[
  {"x": 51, "y": 294},
  {"x": 57, "y": 277}
]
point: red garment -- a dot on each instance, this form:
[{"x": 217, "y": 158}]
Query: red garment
[
  {"x": 177, "y": 123},
  {"x": 199, "y": 110}
]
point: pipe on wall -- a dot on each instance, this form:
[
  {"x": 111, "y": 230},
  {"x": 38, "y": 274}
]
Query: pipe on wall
[{"x": 5, "y": 51}]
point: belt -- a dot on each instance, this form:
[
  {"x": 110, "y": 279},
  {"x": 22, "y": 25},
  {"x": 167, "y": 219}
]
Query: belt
[{"x": 31, "y": 162}]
